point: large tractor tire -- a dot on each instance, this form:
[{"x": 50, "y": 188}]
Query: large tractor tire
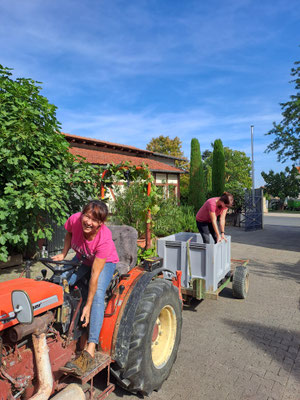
[
  {"x": 240, "y": 282},
  {"x": 155, "y": 338}
]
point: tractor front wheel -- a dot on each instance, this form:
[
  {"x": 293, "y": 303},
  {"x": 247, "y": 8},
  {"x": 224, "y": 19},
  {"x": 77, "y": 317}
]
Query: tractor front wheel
[{"x": 155, "y": 337}]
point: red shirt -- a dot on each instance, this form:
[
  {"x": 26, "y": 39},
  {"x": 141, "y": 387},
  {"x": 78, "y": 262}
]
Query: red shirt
[{"x": 209, "y": 206}]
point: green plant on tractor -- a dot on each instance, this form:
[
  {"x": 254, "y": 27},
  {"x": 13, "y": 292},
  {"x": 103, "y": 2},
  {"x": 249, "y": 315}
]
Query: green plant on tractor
[{"x": 143, "y": 253}]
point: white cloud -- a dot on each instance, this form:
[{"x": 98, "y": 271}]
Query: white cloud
[{"x": 141, "y": 127}]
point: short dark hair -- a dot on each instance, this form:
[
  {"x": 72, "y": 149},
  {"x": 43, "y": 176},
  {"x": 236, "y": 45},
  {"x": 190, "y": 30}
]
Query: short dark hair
[
  {"x": 98, "y": 209},
  {"x": 227, "y": 198}
]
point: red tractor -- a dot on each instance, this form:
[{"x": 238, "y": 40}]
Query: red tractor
[{"x": 40, "y": 331}]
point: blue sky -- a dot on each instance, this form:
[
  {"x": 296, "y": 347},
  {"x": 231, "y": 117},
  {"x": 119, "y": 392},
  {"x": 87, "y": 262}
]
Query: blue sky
[{"x": 128, "y": 71}]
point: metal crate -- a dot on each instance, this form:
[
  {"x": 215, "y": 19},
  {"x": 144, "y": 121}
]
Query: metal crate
[{"x": 186, "y": 252}]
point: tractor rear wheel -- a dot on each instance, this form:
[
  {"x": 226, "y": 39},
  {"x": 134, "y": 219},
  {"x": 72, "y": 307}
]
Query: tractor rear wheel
[{"x": 155, "y": 337}]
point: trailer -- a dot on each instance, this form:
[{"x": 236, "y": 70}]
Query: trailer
[{"x": 206, "y": 268}]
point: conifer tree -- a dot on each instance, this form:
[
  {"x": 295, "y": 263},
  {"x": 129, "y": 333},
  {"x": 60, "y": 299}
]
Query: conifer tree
[
  {"x": 197, "y": 186},
  {"x": 218, "y": 169}
]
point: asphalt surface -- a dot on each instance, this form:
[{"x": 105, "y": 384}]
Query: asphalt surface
[
  {"x": 282, "y": 219},
  {"x": 244, "y": 349}
]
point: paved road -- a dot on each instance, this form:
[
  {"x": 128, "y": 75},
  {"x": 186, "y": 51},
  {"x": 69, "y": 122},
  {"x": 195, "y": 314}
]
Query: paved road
[
  {"x": 282, "y": 219},
  {"x": 244, "y": 350}
]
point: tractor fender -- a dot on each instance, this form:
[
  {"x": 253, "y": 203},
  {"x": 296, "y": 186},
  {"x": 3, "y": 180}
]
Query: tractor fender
[{"x": 125, "y": 328}]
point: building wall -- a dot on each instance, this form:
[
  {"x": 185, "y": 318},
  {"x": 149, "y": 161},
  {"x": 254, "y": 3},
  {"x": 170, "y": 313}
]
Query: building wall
[{"x": 169, "y": 182}]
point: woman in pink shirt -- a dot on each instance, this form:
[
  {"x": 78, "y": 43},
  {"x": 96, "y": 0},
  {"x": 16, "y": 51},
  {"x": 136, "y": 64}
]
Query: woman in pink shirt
[
  {"x": 206, "y": 217},
  {"x": 92, "y": 241}
]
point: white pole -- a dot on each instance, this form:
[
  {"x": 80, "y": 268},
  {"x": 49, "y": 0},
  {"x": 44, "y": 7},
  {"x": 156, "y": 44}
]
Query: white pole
[{"x": 253, "y": 185}]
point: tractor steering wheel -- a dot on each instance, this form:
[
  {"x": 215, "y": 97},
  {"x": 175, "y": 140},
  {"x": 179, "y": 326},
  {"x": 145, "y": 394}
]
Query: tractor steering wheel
[{"x": 60, "y": 266}]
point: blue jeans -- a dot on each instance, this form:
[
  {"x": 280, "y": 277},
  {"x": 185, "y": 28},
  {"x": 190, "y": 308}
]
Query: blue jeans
[{"x": 97, "y": 311}]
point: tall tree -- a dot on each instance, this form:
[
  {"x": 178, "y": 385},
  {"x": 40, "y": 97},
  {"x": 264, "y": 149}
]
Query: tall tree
[
  {"x": 184, "y": 188},
  {"x": 173, "y": 147},
  {"x": 208, "y": 179},
  {"x": 165, "y": 145},
  {"x": 39, "y": 178},
  {"x": 237, "y": 174},
  {"x": 218, "y": 169},
  {"x": 287, "y": 132},
  {"x": 207, "y": 154},
  {"x": 282, "y": 184},
  {"x": 237, "y": 168},
  {"x": 197, "y": 186}
]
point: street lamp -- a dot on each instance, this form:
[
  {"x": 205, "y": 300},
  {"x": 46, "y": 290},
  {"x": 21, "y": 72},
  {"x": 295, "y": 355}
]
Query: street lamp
[{"x": 253, "y": 186}]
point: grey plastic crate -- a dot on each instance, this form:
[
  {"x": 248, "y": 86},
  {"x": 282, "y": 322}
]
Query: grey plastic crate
[{"x": 207, "y": 261}]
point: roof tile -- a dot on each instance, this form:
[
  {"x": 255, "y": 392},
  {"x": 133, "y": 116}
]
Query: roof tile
[{"x": 104, "y": 158}]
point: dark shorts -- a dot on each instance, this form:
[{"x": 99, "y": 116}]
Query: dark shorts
[{"x": 206, "y": 229}]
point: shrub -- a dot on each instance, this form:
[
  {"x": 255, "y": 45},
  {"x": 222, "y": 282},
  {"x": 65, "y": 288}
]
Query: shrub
[
  {"x": 128, "y": 208},
  {"x": 188, "y": 221},
  {"x": 167, "y": 216},
  {"x": 39, "y": 177},
  {"x": 172, "y": 218}
]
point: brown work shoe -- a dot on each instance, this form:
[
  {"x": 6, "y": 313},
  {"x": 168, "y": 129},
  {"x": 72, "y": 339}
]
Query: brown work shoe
[{"x": 81, "y": 364}]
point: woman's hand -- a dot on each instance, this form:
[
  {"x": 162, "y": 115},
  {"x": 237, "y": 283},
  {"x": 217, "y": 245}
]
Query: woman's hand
[
  {"x": 97, "y": 267},
  {"x": 58, "y": 257},
  {"x": 85, "y": 316},
  {"x": 218, "y": 238},
  {"x": 67, "y": 245},
  {"x": 223, "y": 237}
]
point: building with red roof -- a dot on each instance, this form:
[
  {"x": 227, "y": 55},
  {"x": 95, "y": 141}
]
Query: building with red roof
[{"x": 99, "y": 152}]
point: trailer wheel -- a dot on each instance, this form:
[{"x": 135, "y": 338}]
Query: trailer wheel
[
  {"x": 155, "y": 338},
  {"x": 240, "y": 283}
]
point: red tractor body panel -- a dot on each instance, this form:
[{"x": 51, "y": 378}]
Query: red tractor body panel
[
  {"x": 114, "y": 310},
  {"x": 43, "y": 295}
]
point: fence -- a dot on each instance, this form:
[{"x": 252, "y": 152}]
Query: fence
[{"x": 253, "y": 210}]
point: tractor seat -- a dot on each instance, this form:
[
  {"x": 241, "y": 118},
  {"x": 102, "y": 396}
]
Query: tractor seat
[{"x": 125, "y": 239}]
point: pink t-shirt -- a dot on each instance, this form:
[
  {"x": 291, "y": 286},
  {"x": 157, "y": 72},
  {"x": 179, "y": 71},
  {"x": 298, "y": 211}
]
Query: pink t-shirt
[
  {"x": 102, "y": 246},
  {"x": 209, "y": 205}
]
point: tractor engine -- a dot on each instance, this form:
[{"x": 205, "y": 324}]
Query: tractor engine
[{"x": 50, "y": 337}]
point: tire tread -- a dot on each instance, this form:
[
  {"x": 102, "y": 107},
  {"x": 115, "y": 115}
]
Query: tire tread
[{"x": 134, "y": 370}]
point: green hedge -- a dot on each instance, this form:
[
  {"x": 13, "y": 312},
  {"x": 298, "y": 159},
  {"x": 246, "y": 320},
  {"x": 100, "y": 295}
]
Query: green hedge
[{"x": 293, "y": 204}]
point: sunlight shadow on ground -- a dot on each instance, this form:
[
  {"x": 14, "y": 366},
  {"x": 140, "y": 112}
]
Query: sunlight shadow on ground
[
  {"x": 278, "y": 270},
  {"x": 278, "y": 344},
  {"x": 289, "y": 237}
]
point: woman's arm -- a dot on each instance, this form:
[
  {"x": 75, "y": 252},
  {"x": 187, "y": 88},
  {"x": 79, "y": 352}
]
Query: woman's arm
[
  {"x": 67, "y": 246},
  {"x": 213, "y": 218},
  {"x": 97, "y": 267},
  {"x": 222, "y": 224}
]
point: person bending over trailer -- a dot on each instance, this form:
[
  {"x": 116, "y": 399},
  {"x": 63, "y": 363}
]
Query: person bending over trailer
[
  {"x": 206, "y": 217},
  {"x": 92, "y": 241}
]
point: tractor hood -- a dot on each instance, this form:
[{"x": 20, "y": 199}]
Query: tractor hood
[{"x": 43, "y": 295}]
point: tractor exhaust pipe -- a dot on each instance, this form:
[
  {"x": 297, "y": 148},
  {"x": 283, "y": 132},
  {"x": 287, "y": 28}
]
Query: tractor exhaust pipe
[
  {"x": 43, "y": 367},
  {"x": 39, "y": 325},
  {"x": 72, "y": 391}
]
